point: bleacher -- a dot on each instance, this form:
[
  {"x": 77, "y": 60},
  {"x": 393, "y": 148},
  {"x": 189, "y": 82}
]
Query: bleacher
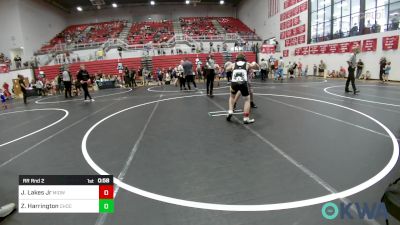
[
  {"x": 233, "y": 25},
  {"x": 101, "y": 66},
  {"x": 145, "y": 32},
  {"x": 86, "y": 33},
  {"x": 198, "y": 26},
  {"x": 110, "y": 66}
]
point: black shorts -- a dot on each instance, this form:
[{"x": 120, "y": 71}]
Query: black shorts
[{"x": 242, "y": 87}]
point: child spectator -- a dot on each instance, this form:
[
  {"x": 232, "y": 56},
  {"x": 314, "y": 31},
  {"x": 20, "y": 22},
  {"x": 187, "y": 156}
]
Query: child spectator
[
  {"x": 3, "y": 100},
  {"x": 387, "y": 71}
]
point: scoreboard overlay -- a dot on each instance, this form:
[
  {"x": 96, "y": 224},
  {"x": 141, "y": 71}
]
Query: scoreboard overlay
[{"x": 66, "y": 194}]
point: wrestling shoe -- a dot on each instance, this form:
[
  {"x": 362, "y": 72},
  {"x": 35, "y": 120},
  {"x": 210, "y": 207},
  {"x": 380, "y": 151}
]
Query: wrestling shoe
[{"x": 248, "y": 121}]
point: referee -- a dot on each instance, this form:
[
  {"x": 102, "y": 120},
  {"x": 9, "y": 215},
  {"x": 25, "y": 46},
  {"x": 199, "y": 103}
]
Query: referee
[{"x": 352, "y": 68}]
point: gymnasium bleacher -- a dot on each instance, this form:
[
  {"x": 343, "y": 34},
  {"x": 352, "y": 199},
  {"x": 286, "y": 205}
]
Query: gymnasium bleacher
[
  {"x": 233, "y": 25},
  {"x": 102, "y": 66},
  {"x": 110, "y": 66},
  {"x": 145, "y": 32},
  {"x": 86, "y": 33},
  {"x": 198, "y": 26}
]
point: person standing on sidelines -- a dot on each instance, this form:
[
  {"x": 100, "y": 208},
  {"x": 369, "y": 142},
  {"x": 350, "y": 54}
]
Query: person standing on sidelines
[
  {"x": 388, "y": 67},
  {"x": 210, "y": 75},
  {"x": 360, "y": 67},
  {"x": 67, "y": 79},
  {"x": 264, "y": 68},
  {"x": 181, "y": 75},
  {"x": 228, "y": 73},
  {"x": 83, "y": 78},
  {"x": 351, "y": 77},
  {"x": 240, "y": 72},
  {"x": 23, "y": 88},
  {"x": 198, "y": 69},
  {"x": 188, "y": 73},
  {"x": 382, "y": 65}
]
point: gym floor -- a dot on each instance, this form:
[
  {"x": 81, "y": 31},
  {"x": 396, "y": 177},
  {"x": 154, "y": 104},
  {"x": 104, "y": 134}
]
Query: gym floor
[{"x": 309, "y": 140}]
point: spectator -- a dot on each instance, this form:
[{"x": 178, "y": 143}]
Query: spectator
[
  {"x": 3, "y": 99},
  {"x": 299, "y": 69},
  {"x": 315, "y": 68},
  {"x": 382, "y": 65},
  {"x": 18, "y": 61},
  {"x": 305, "y": 71},
  {"x": 188, "y": 72},
  {"x": 39, "y": 87},
  {"x": 322, "y": 68},
  {"x": 387, "y": 72},
  {"x": 360, "y": 67},
  {"x": 23, "y": 88},
  {"x": 342, "y": 72},
  {"x": 264, "y": 68},
  {"x": 6, "y": 90},
  {"x": 67, "y": 79},
  {"x": 366, "y": 76}
]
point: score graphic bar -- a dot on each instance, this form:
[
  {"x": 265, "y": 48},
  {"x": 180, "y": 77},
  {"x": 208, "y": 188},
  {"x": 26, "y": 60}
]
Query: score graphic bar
[{"x": 66, "y": 194}]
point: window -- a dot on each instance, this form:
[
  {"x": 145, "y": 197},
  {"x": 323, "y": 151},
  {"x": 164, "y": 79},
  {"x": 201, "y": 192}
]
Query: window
[
  {"x": 394, "y": 16},
  {"x": 379, "y": 16},
  {"x": 370, "y": 4}
]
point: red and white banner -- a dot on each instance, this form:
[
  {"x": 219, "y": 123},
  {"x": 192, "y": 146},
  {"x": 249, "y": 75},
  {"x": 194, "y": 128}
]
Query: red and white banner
[
  {"x": 4, "y": 68},
  {"x": 295, "y": 11},
  {"x": 301, "y": 39},
  {"x": 298, "y": 51},
  {"x": 390, "y": 43},
  {"x": 268, "y": 49},
  {"x": 353, "y": 45},
  {"x": 285, "y": 53},
  {"x": 333, "y": 48},
  {"x": 305, "y": 50},
  {"x": 369, "y": 45},
  {"x": 314, "y": 50}
]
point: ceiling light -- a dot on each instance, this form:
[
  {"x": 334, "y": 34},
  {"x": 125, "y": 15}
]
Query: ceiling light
[
  {"x": 149, "y": 18},
  {"x": 221, "y": 2},
  {"x": 79, "y": 8},
  {"x": 187, "y": 2},
  {"x": 114, "y": 5},
  {"x": 152, "y": 2}
]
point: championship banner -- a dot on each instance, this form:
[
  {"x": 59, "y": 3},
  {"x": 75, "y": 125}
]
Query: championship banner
[
  {"x": 333, "y": 48},
  {"x": 390, "y": 43},
  {"x": 305, "y": 50},
  {"x": 369, "y": 45},
  {"x": 268, "y": 49},
  {"x": 4, "y": 68},
  {"x": 285, "y": 53}
]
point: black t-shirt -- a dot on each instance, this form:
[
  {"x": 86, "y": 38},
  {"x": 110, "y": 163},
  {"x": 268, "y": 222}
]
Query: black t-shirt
[
  {"x": 22, "y": 85},
  {"x": 83, "y": 75},
  {"x": 360, "y": 65}
]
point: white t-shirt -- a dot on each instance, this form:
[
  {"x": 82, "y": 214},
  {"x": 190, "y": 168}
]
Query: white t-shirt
[{"x": 66, "y": 76}]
